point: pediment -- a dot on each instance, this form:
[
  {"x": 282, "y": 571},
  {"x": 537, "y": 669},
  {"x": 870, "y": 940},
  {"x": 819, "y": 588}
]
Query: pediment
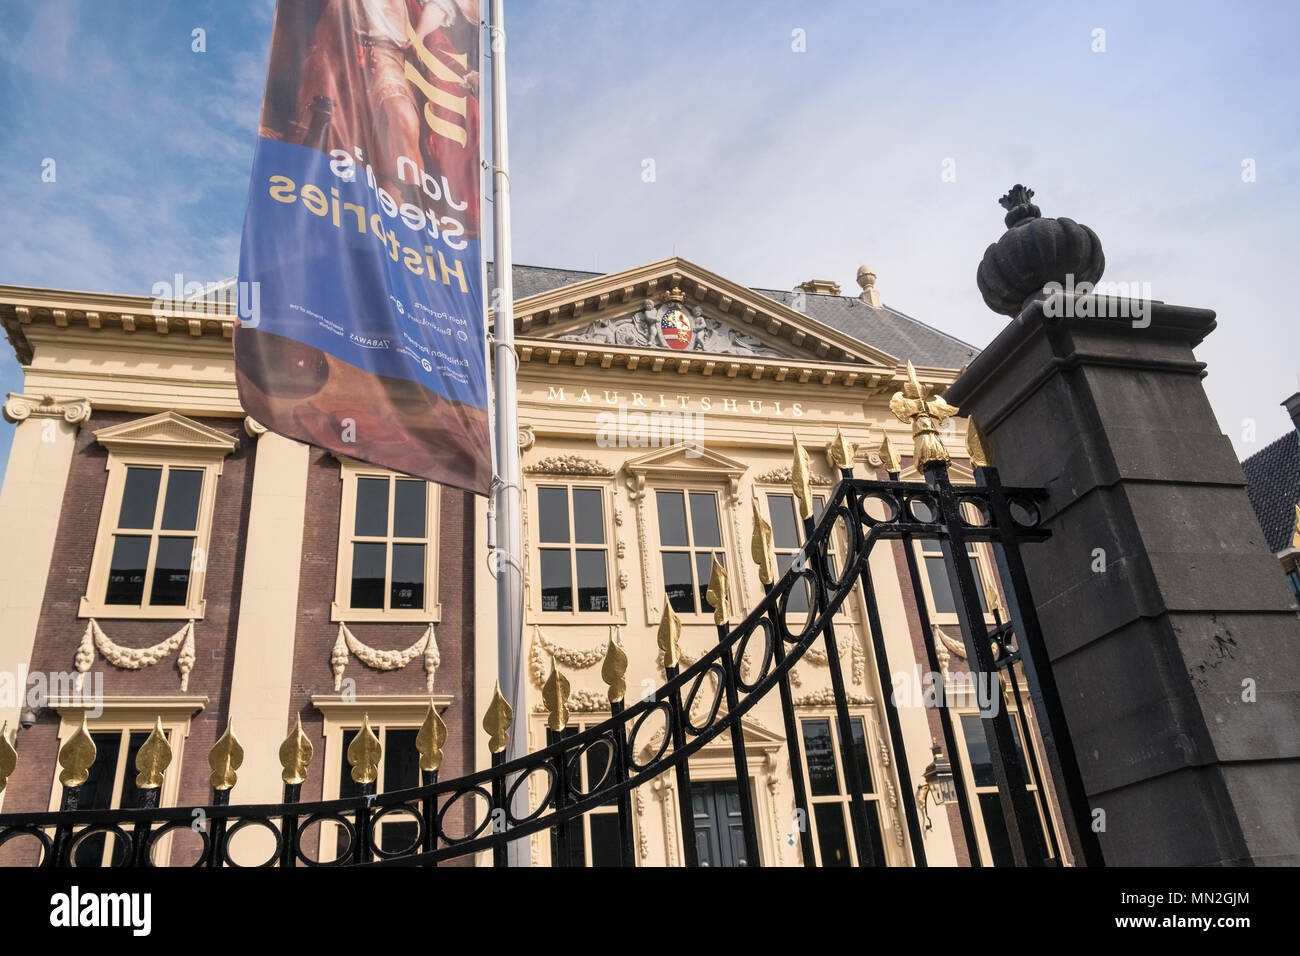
[
  {"x": 167, "y": 432},
  {"x": 714, "y": 317},
  {"x": 685, "y": 458}
]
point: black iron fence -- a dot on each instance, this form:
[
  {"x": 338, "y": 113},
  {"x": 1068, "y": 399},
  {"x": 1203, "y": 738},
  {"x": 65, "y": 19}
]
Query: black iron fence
[{"x": 658, "y": 735}]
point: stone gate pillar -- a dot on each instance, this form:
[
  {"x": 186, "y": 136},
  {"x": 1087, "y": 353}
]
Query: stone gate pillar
[{"x": 1172, "y": 634}]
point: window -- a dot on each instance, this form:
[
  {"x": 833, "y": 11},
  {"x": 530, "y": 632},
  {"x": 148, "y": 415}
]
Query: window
[
  {"x": 110, "y": 786},
  {"x": 151, "y": 547},
  {"x": 399, "y": 769},
  {"x": 981, "y": 780},
  {"x": 828, "y": 792},
  {"x": 788, "y": 538},
  {"x": 573, "y": 554},
  {"x": 690, "y": 536},
  {"x": 942, "y": 600},
  {"x": 593, "y": 837},
  {"x": 388, "y": 556}
]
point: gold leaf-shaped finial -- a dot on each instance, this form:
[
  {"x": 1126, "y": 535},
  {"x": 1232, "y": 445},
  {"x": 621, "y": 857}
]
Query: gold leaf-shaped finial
[
  {"x": 716, "y": 593},
  {"x": 224, "y": 759},
  {"x": 975, "y": 445},
  {"x": 991, "y": 597},
  {"x": 295, "y": 755},
  {"x": 1295, "y": 535},
  {"x": 153, "y": 759},
  {"x": 8, "y": 756},
  {"x": 801, "y": 479},
  {"x": 430, "y": 738},
  {"x": 760, "y": 547},
  {"x": 76, "y": 756},
  {"x": 889, "y": 457},
  {"x": 670, "y": 635},
  {"x": 839, "y": 451},
  {"x": 364, "y": 753},
  {"x": 555, "y": 695},
  {"x": 614, "y": 671},
  {"x": 497, "y": 722}
]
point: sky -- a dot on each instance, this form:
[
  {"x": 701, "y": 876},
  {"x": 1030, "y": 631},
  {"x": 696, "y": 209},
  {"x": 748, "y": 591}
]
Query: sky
[{"x": 787, "y": 142}]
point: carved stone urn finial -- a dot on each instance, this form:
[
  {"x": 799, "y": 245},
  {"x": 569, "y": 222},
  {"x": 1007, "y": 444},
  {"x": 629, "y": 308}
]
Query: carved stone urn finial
[{"x": 1034, "y": 252}]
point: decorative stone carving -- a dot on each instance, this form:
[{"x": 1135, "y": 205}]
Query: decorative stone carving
[
  {"x": 426, "y": 646},
  {"x": 569, "y": 465},
  {"x": 544, "y": 650},
  {"x": 785, "y": 474},
  {"x": 526, "y": 437},
  {"x": 253, "y": 428},
  {"x": 644, "y": 329},
  {"x": 826, "y": 698},
  {"x": 134, "y": 658},
  {"x": 74, "y": 411}
]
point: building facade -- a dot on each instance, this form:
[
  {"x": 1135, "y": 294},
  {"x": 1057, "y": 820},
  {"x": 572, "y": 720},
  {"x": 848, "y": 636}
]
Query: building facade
[{"x": 169, "y": 557}]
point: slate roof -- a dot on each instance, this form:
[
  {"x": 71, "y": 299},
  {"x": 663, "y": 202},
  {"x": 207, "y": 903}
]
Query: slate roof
[
  {"x": 1273, "y": 483},
  {"x": 887, "y": 329}
]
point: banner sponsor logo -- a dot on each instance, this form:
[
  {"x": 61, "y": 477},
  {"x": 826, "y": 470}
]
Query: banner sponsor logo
[{"x": 362, "y": 235}]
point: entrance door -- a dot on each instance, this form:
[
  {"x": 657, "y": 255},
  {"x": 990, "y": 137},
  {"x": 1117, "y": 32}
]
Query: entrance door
[{"x": 719, "y": 832}]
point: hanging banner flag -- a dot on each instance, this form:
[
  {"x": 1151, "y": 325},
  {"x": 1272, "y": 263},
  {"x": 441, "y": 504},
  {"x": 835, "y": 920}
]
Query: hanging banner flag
[{"x": 361, "y": 291}]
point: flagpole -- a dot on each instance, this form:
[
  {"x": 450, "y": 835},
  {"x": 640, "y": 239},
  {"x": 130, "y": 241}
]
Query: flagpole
[{"x": 510, "y": 566}]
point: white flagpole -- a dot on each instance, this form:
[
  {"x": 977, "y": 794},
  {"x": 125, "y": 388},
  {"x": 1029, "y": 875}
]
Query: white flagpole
[{"x": 510, "y": 565}]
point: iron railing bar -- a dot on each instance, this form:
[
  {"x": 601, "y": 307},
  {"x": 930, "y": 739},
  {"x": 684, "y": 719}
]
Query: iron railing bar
[
  {"x": 748, "y": 822},
  {"x": 793, "y": 748},
  {"x": 681, "y": 758}
]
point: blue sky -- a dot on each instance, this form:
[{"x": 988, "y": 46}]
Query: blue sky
[{"x": 772, "y": 166}]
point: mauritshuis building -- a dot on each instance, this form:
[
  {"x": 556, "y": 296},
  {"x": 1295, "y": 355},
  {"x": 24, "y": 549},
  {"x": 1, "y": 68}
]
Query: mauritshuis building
[{"x": 168, "y": 557}]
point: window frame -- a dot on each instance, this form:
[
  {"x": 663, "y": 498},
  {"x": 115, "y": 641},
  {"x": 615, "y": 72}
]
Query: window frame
[
  {"x": 341, "y": 610},
  {"x": 687, "y": 485},
  {"x": 155, "y": 442},
  {"x": 533, "y": 581},
  {"x": 879, "y": 775}
]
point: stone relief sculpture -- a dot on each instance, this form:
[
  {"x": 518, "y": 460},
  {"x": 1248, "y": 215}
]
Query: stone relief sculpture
[{"x": 644, "y": 329}]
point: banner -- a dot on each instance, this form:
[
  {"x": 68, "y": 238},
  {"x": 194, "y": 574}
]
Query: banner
[{"x": 360, "y": 271}]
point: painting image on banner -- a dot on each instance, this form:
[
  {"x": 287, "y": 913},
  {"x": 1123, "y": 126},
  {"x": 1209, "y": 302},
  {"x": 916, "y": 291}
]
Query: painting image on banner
[{"x": 361, "y": 252}]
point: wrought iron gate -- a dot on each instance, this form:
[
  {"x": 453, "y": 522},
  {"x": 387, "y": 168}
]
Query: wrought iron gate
[{"x": 645, "y": 739}]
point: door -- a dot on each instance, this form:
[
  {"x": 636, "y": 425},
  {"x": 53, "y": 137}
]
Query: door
[{"x": 719, "y": 832}]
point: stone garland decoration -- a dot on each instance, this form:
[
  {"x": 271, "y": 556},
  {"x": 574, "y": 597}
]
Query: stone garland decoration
[
  {"x": 427, "y": 646},
  {"x": 134, "y": 658},
  {"x": 544, "y": 650},
  {"x": 643, "y": 839},
  {"x": 826, "y": 698},
  {"x": 784, "y": 476}
]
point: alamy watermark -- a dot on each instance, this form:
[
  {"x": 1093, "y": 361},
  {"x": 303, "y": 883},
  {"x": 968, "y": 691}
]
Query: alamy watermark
[
  {"x": 67, "y": 688},
  {"x": 215, "y": 298},
  {"x": 637, "y": 429},
  {"x": 1099, "y": 300}
]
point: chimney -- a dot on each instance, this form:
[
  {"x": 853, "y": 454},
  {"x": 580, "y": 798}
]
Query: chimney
[
  {"x": 1292, "y": 406},
  {"x": 867, "y": 280},
  {"x": 820, "y": 287}
]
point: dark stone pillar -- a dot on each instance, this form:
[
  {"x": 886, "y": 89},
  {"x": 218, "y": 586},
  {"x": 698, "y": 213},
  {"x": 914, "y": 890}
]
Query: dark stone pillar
[{"x": 1157, "y": 654}]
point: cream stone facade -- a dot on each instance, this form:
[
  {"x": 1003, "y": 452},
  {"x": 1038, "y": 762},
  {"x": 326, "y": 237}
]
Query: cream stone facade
[{"x": 661, "y": 393}]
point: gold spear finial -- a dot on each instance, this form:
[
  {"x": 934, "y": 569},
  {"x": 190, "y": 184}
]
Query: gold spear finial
[
  {"x": 8, "y": 756},
  {"x": 364, "y": 753},
  {"x": 716, "y": 593},
  {"x": 153, "y": 759},
  {"x": 225, "y": 758},
  {"x": 614, "y": 671},
  {"x": 975, "y": 445},
  {"x": 760, "y": 547},
  {"x": 839, "y": 452},
  {"x": 295, "y": 755},
  {"x": 925, "y": 412},
  {"x": 801, "y": 479},
  {"x": 889, "y": 457},
  {"x": 497, "y": 721},
  {"x": 991, "y": 597},
  {"x": 670, "y": 635},
  {"x": 1295, "y": 535},
  {"x": 555, "y": 695},
  {"x": 430, "y": 738},
  {"x": 76, "y": 756}
]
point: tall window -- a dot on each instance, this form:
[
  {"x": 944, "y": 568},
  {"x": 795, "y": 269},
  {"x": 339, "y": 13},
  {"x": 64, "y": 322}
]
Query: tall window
[
  {"x": 110, "y": 786},
  {"x": 942, "y": 599},
  {"x": 788, "y": 538},
  {"x": 574, "y": 555},
  {"x": 828, "y": 792},
  {"x": 690, "y": 536},
  {"x": 995, "y": 843},
  {"x": 593, "y": 837},
  {"x": 387, "y": 566},
  {"x": 399, "y": 769},
  {"x": 154, "y": 537}
]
